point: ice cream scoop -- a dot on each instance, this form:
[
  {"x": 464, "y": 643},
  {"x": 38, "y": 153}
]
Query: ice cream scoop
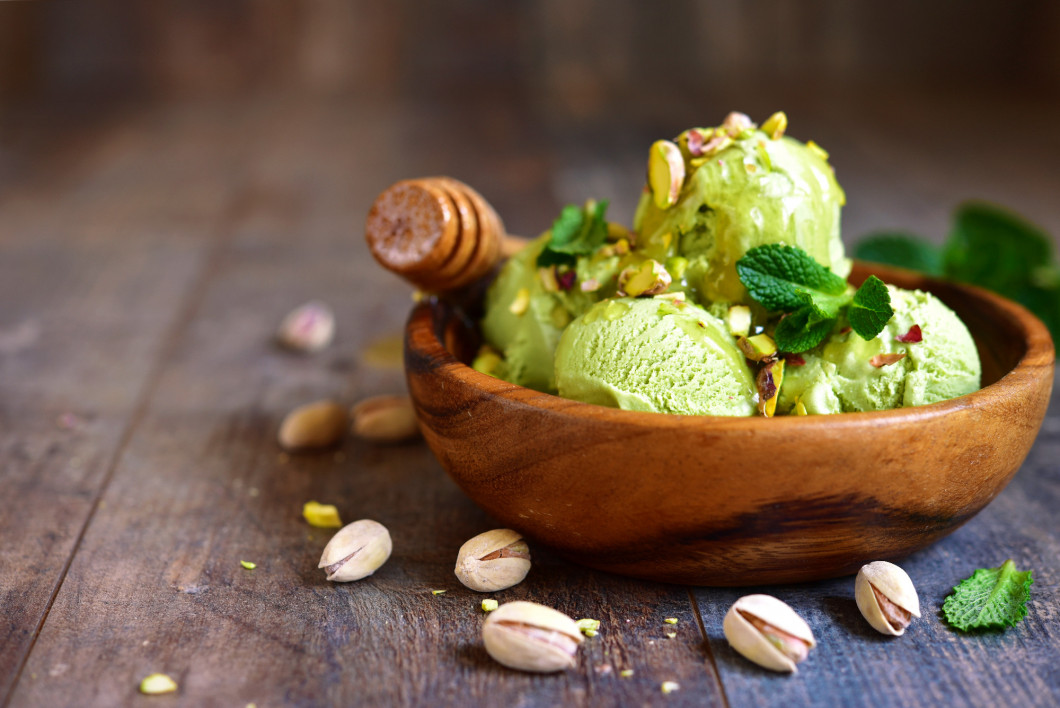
[
  {"x": 924, "y": 354},
  {"x": 655, "y": 355}
]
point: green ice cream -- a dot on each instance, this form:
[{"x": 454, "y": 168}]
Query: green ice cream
[
  {"x": 841, "y": 374},
  {"x": 526, "y": 311},
  {"x": 650, "y": 354},
  {"x": 756, "y": 191}
]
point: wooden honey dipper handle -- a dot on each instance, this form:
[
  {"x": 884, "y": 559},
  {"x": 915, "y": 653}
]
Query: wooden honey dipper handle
[{"x": 437, "y": 233}]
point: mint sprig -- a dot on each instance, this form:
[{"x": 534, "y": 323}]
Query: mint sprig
[
  {"x": 786, "y": 279},
  {"x": 987, "y": 246},
  {"x": 992, "y": 598},
  {"x": 578, "y": 231}
]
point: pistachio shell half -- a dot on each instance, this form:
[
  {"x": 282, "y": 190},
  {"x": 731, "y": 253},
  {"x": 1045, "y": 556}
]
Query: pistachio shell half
[
  {"x": 886, "y": 597},
  {"x": 768, "y": 632}
]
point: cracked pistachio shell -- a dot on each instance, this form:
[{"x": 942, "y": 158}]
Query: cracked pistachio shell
[
  {"x": 745, "y": 638},
  {"x": 496, "y": 573},
  {"x": 893, "y": 583},
  {"x": 356, "y": 551},
  {"x": 531, "y": 637}
]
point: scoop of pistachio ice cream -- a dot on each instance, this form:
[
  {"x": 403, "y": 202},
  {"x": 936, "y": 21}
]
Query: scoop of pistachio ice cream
[
  {"x": 742, "y": 187},
  {"x": 938, "y": 360},
  {"x": 527, "y": 308},
  {"x": 651, "y": 354}
]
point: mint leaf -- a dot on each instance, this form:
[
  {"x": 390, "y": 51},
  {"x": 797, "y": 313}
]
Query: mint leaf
[
  {"x": 902, "y": 250},
  {"x": 993, "y": 598},
  {"x": 780, "y": 277},
  {"x": 870, "y": 310},
  {"x": 995, "y": 249},
  {"x": 576, "y": 232},
  {"x": 802, "y": 330}
]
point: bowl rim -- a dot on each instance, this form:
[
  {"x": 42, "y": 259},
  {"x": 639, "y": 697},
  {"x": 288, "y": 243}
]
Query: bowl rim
[{"x": 422, "y": 342}]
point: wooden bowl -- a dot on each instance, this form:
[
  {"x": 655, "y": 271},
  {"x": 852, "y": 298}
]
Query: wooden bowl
[{"x": 734, "y": 501}]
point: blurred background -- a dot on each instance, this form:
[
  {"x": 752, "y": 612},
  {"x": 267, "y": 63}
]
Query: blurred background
[{"x": 922, "y": 103}]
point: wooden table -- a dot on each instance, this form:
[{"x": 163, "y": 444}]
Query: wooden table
[{"x": 145, "y": 261}]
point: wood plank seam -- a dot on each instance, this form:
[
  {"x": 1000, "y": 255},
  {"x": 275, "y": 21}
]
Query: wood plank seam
[
  {"x": 706, "y": 645},
  {"x": 184, "y": 317}
]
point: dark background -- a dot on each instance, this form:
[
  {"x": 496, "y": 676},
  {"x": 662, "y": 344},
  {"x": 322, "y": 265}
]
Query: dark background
[{"x": 922, "y": 103}]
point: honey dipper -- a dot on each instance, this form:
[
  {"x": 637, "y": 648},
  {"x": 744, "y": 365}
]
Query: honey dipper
[{"x": 437, "y": 233}]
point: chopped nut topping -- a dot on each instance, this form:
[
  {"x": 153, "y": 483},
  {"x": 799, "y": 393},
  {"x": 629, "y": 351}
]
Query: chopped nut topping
[
  {"x": 521, "y": 302},
  {"x": 735, "y": 123},
  {"x": 817, "y": 149},
  {"x": 881, "y": 360},
  {"x": 590, "y": 286},
  {"x": 775, "y": 125},
  {"x": 669, "y": 687},
  {"x": 913, "y": 336}
]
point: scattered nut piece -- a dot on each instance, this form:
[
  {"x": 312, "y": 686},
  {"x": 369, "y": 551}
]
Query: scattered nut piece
[
  {"x": 738, "y": 319},
  {"x": 248, "y": 565},
  {"x": 817, "y": 150},
  {"x": 649, "y": 278},
  {"x": 587, "y": 625},
  {"x": 768, "y": 632},
  {"x": 625, "y": 673},
  {"x": 882, "y": 360},
  {"x": 736, "y": 123},
  {"x": 886, "y": 597},
  {"x": 760, "y": 347},
  {"x": 155, "y": 684},
  {"x": 670, "y": 620},
  {"x": 666, "y": 173},
  {"x": 313, "y": 426},
  {"x": 775, "y": 125},
  {"x": 590, "y": 286},
  {"x": 356, "y": 551},
  {"x": 308, "y": 328},
  {"x": 385, "y": 419},
  {"x": 521, "y": 302},
  {"x": 768, "y": 380},
  {"x": 493, "y": 560},
  {"x": 531, "y": 637},
  {"x": 489, "y": 605},
  {"x": 668, "y": 687},
  {"x": 323, "y": 516},
  {"x": 671, "y": 635},
  {"x": 437, "y": 592}
]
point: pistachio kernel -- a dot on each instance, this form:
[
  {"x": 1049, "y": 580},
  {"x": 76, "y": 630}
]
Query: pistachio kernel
[
  {"x": 775, "y": 125},
  {"x": 666, "y": 173},
  {"x": 650, "y": 278},
  {"x": 155, "y": 684}
]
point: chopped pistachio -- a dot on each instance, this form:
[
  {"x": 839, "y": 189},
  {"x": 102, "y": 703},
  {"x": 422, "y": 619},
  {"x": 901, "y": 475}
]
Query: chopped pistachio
[
  {"x": 489, "y": 605},
  {"x": 739, "y": 320},
  {"x": 669, "y": 687},
  {"x": 437, "y": 592},
  {"x": 248, "y": 565},
  {"x": 817, "y": 149},
  {"x": 800, "y": 408},
  {"x": 625, "y": 673},
  {"x": 521, "y": 302},
  {"x": 487, "y": 360},
  {"x": 676, "y": 266},
  {"x": 323, "y": 516},
  {"x": 666, "y": 173},
  {"x": 547, "y": 276},
  {"x": 589, "y": 286},
  {"x": 677, "y": 297},
  {"x": 759, "y": 347},
  {"x": 671, "y": 635},
  {"x": 154, "y": 684},
  {"x": 775, "y": 125},
  {"x": 650, "y": 278},
  {"x": 670, "y": 620},
  {"x": 588, "y": 625}
]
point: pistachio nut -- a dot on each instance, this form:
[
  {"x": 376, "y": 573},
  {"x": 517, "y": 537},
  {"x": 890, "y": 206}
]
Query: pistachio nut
[
  {"x": 356, "y": 551},
  {"x": 649, "y": 278},
  {"x": 531, "y": 637},
  {"x": 768, "y": 632},
  {"x": 666, "y": 173},
  {"x": 313, "y": 426},
  {"x": 385, "y": 419},
  {"x": 886, "y": 597},
  {"x": 308, "y": 328},
  {"x": 493, "y": 560}
]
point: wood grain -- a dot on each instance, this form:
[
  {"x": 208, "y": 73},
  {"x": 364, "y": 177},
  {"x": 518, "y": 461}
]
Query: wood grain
[
  {"x": 159, "y": 248},
  {"x": 735, "y": 500}
]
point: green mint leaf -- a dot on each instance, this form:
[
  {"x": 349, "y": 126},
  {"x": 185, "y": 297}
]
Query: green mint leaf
[
  {"x": 900, "y": 249},
  {"x": 780, "y": 277},
  {"x": 993, "y": 598},
  {"x": 870, "y": 310},
  {"x": 802, "y": 330},
  {"x": 995, "y": 249},
  {"x": 577, "y": 231}
]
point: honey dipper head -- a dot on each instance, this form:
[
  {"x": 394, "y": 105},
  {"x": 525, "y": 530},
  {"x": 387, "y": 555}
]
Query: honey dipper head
[{"x": 435, "y": 232}]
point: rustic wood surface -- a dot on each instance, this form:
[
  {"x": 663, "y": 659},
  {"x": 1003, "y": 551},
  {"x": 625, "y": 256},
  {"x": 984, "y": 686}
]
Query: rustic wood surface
[{"x": 145, "y": 260}]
